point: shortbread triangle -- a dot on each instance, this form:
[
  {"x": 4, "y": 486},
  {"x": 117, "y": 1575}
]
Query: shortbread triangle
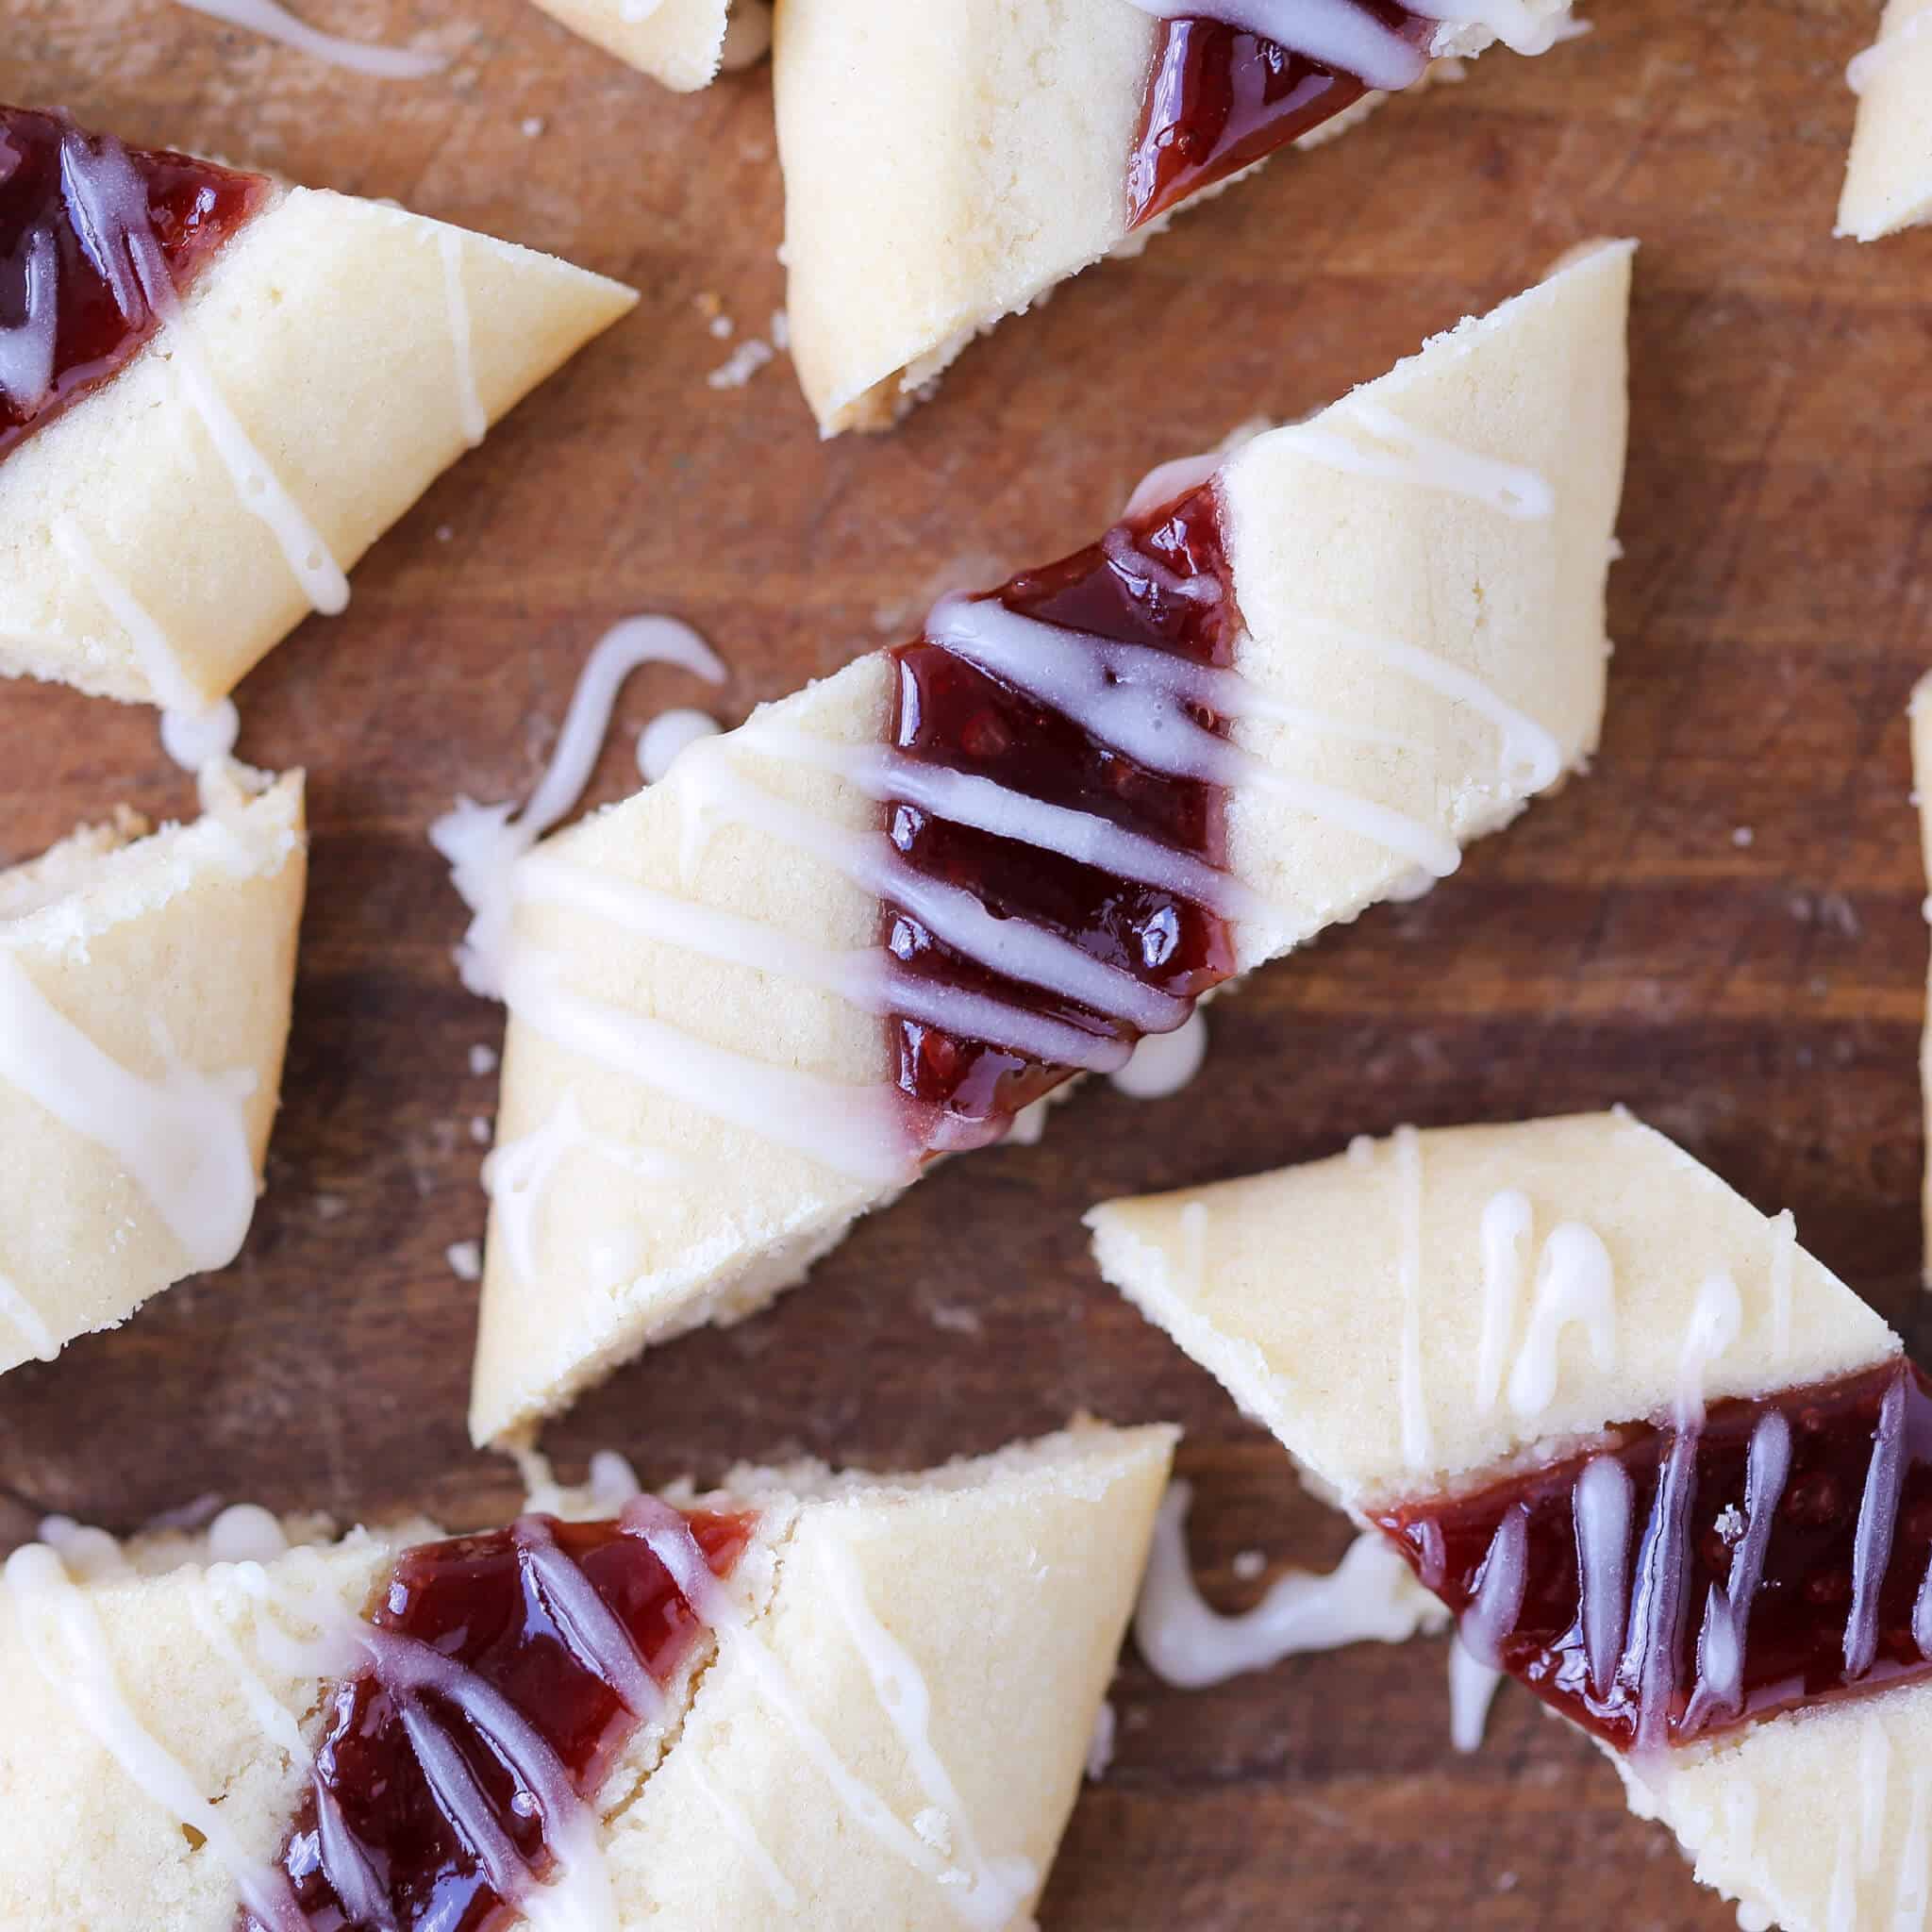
[
  {"x": 1665, "y": 1467},
  {"x": 865, "y": 1700},
  {"x": 873, "y": 924},
  {"x": 273, "y": 401},
  {"x": 946, "y": 166},
  {"x": 145, "y": 991}
]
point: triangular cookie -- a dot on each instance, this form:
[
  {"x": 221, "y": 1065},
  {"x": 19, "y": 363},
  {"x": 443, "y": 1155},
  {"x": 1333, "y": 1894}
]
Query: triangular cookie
[
  {"x": 854, "y": 1700},
  {"x": 683, "y": 44},
  {"x": 1889, "y": 175},
  {"x": 947, "y": 166},
  {"x": 1665, "y": 1467},
  {"x": 185, "y": 477},
  {"x": 749, "y": 1004},
  {"x": 145, "y": 988}
]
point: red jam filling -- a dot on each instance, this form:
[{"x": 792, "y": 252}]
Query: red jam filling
[
  {"x": 56, "y": 288},
  {"x": 483, "y": 1603},
  {"x": 952, "y": 713},
  {"x": 1844, "y": 1483},
  {"x": 1220, "y": 100}
]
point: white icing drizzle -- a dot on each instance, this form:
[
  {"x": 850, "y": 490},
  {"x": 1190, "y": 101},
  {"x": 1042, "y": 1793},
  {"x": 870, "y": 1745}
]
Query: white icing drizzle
[
  {"x": 744, "y": 1835},
  {"x": 1575, "y": 1283},
  {"x": 276, "y": 22},
  {"x": 195, "y": 739},
  {"x": 1371, "y": 1596},
  {"x": 1400, "y": 453},
  {"x": 517, "y": 1176},
  {"x": 16, "y": 1308},
  {"x": 470, "y": 410},
  {"x": 1716, "y": 1317},
  {"x": 1877, "y": 1518},
  {"x": 183, "y": 1138},
  {"x": 1912, "y": 1886},
  {"x": 858, "y": 1130},
  {"x": 1337, "y": 33},
  {"x": 87, "y": 1554},
  {"x": 666, "y": 734},
  {"x": 1650, "y": 1656},
  {"x": 1721, "y": 1642},
  {"x": 1497, "y": 1605},
  {"x": 1874, "y": 1777},
  {"x": 1866, "y": 67},
  {"x": 483, "y": 842},
  {"x": 76, "y": 1665},
  {"x": 274, "y": 1720},
  {"x": 1416, "y": 1439},
  {"x": 1602, "y": 1502},
  {"x": 1505, "y": 1229},
  {"x": 161, "y": 664},
  {"x": 1841, "y": 1904},
  {"x": 583, "y": 1620},
  {"x": 1165, "y": 482},
  {"x": 999, "y": 1886},
  {"x": 1471, "y": 1691},
  {"x": 1163, "y": 1063},
  {"x": 1139, "y": 700},
  {"x": 245, "y": 1533},
  {"x": 868, "y": 977},
  {"x": 967, "y": 799},
  {"x": 28, "y": 346},
  {"x": 1784, "y": 1252}
]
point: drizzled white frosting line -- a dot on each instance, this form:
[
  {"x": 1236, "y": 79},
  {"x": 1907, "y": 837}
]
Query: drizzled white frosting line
[
  {"x": 276, "y": 22},
  {"x": 1162, "y": 1064},
  {"x": 160, "y": 664},
  {"x": 1575, "y": 1283},
  {"x": 15, "y": 1308},
  {"x": 1874, "y": 1778},
  {"x": 1505, "y": 1228},
  {"x": 1138, "y": 701},
  {"x": 470, "y": 410},
  {"x": 1497, "y": 1605},
  {"x": 517, "y": 1176},
  {"x": 1866, "y": 67},
  {"x": 744, "y": 1835},
  {"x": 108, "y": 204},
  {"x": 183, "y": 1138},
  {"x": 482, "y": 842},
  {"x": 1400, "y": 453},
  {"x": 1371, "y": 1596},
  {"x": 1602, "y": 1502},
  {"x": 1878, "y": 1520},
  {"x": 1912, "y": 1883},
  {"x": 998, "y": 1886},
  {"x": 1416, "y": 1438},
  {"x": 275, "y": 1722},
  {"x": 28, "y": 346},
  {"x": 867, "y": 977},
  {"x": 1841, "y": 1901},
  {"x": 85, "y": 1676},
  {"x": 1727, "y": 1612},
  {"x": 863, "y": 1131},
  {"x": 1471, "y": 1689},
  {"x": 1717, "y": 1316},
  {"x": 1337, "y": 33},
  {"x": 965, "y": 798},
  {"x": 1650, "y": 1657},
  {"x": 585, "y": 1623}
]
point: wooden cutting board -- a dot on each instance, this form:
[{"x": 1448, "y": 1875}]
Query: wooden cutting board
[{"x": 1720, "y": 927}]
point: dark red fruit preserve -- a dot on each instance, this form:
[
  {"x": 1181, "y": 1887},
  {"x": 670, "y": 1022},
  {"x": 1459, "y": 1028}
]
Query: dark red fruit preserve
[
  {"x": 496, "y": 1610},
  {"x": 952, "y": 713},
  {"x": 1845, "y": 1474},
  {"x": 47, "y": 260},
  {"x": 1220, "y": 100}
]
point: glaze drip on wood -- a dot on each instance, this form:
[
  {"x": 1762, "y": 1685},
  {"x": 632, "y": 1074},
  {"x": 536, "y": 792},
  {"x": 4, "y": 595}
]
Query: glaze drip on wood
[
  {"x": 73, "y": 307},
  {"x": 1158, "y": 585},
  {"x": 423, "y": 1809},
  {"x": 1692, "y": 1576},
  {"x": 1220, "y": 99}
]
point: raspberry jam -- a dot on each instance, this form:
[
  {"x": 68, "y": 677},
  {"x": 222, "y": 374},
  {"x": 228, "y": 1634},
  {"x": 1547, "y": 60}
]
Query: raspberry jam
[
  {"x": 1132, "y": 588},
  {"x": 1220, "y": 100},
  {"x": 1772, "y": 1558},
  {"x": 70, "y": 318},
  {"x": 544, "y": 1618}
]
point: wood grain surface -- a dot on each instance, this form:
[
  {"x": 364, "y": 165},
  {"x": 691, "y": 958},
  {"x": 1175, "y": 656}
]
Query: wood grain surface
[{"x": 1720, "y": 927}]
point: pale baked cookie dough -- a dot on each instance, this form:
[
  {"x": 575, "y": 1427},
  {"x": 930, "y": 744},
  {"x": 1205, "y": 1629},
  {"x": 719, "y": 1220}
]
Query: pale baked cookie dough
[
  {"x": 696, "y": 1105},
  {"x": 945, "y": 166},
  {"x": 144, "y": 990},
  {"x": 884, "y": 1723},
  {"x": 683, "y": 44},
  {"x": 333, "y": 358},
  {"x": 1889, "y": 175},
  {"x": 1352, "y": 1307}
]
